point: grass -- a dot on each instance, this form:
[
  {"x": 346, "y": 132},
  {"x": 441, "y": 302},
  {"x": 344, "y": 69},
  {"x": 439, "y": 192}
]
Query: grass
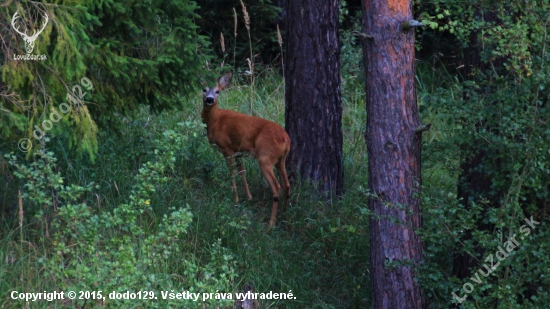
[{"x": 318, "y": 250}]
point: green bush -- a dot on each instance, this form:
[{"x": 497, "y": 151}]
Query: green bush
[
  {"x": 498, "y": 117},
  {"x": 123, "y": 250}
]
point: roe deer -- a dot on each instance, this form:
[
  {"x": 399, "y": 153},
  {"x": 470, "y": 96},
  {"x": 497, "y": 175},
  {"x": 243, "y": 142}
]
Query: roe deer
[{"x": 235, "y": 133}]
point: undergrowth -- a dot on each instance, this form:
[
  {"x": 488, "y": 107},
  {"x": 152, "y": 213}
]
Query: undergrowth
[{"x": 154, "y": 213}]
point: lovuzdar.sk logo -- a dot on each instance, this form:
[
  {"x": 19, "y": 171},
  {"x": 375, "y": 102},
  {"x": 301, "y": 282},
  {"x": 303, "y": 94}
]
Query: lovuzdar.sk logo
[{"x": 29, "y": 39}]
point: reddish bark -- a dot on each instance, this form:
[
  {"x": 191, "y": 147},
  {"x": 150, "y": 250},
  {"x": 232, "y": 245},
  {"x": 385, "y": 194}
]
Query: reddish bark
[{"x": 394, "y": 154}]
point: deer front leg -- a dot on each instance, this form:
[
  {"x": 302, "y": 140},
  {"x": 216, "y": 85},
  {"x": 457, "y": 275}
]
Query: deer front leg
[
  {"x": 233, "y": 169},
  {"x": 242, "y": 171}
]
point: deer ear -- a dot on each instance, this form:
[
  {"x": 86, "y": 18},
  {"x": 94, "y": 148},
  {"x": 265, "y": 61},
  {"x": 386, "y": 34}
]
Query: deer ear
[{"x": 225, "y": 80}]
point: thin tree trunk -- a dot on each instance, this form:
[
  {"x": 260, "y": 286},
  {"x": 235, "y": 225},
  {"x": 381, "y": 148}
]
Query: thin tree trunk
[
  {"x": 313, "y": 115},
  {"x": 394, "y": 149}
]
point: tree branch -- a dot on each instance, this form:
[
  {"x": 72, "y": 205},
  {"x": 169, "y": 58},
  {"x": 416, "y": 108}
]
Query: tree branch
[
  {"x": 423, "y": 127},
  {"x": 411, "y": 23},
  {"x": 362, "y": 35}
]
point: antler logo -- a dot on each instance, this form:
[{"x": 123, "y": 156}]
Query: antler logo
[{"x": 29, "y": 40}]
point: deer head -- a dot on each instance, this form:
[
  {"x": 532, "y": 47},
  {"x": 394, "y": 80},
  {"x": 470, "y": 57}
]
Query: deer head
[
  {"x": 210, "y": 95},
  {"x": 29, "y": 40}
]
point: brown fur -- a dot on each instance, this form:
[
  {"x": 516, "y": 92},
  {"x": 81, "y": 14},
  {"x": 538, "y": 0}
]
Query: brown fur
[{"x": 262, "y": 139}]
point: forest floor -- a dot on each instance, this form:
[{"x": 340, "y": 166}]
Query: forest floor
[{"x": 319, "y": 249}]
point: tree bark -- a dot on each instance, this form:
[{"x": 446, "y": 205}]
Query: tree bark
[
  {"x": 394, "y": 154},
  {"x": 313, "y": 115}
]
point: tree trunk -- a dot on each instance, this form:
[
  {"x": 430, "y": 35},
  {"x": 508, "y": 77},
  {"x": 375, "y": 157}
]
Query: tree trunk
[
  {"x": 313, "y": 116},
  {"x": 394, "y": 154}
]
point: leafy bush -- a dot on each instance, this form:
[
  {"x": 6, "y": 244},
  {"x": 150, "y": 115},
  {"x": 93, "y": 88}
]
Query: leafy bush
[
  {"x": 496, "y": 130},
  {"x": 118, "y": 250},
  {"x": 311, "y": 245}
]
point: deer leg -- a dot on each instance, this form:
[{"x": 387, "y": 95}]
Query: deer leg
[
  {"x": 286, "y": 185},
  {"x": 267, "y": 171},
  {"x": 232, "y": 168},
  {"x": 242, "y": 171}
]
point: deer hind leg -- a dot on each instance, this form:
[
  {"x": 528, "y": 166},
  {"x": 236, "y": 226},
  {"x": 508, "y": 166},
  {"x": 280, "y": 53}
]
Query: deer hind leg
[
  {"x": 233, "y": 169},
  {"x": 242, "y": 171},
  {"x": 267, "y": 170},
  {"x": 286, "y": 185}
]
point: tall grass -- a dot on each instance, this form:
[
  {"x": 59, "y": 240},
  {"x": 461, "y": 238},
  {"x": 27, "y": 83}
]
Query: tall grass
[{"x": 318, "y": 252}]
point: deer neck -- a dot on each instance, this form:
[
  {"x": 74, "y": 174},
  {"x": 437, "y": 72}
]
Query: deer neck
[{"x": 209, "y": 114}]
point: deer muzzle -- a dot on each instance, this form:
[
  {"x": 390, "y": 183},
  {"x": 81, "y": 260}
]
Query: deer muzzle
[{"x": 209, "y": 100}]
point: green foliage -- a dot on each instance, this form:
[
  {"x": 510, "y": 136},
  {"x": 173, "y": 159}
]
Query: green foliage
[
  {"x": 115, "y": 250},
  {"x": 137, "y": 53},
  {"x": 191, "y": 235},
  {"x": 503, "y": 120},
  {"x": 44, "y": 188},
  {"x": 144, "y": 53},
  {"x": 154, "y": 212},
  {"x": 351, "y": 58}
]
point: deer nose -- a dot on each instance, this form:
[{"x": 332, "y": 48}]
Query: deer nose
[{"x": 209, "y": 100}]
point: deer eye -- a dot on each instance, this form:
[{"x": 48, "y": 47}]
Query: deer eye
[
  {"x": 217, "y": 91},
  {"x": 204, "y": 90}
]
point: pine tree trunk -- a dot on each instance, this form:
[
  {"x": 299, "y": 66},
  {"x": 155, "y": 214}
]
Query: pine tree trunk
[
  {"x": 394, "y": 154},
  {"x": 313, "y": 115}
]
